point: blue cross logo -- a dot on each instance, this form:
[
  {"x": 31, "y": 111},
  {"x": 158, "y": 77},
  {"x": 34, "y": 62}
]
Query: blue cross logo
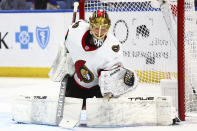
[{"x": 24, "y": 37}]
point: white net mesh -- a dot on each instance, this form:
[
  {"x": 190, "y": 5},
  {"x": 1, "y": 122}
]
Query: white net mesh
[
  {"x": 190, "y": 57},
  {"x": 190, "y": 44},
  {"x": 148, "y": 34},
  {"x": 117, "y": 6}
]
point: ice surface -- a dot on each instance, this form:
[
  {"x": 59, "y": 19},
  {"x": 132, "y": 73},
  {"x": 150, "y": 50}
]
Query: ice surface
[{"x": 10, "y": 87}]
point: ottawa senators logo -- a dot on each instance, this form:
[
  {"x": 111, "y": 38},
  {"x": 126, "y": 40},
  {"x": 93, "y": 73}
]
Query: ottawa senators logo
[
  {"x": 115, "y": 48},
  {"x": 76, "y": 25},
  {"x": 83, "y": 73}
]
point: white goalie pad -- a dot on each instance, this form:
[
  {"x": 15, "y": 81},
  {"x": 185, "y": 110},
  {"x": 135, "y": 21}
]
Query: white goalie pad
[
  {"x": 62, "y": 65},
  {"x": 129, "y": 111},
  {"x": 43, "y": 110},
  {"x": 35, "y": 109},
  {"x": 112, "y": 82}
]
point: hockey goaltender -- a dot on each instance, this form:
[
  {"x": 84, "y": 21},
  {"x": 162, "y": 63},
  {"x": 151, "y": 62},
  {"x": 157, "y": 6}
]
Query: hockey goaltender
[{"x": 88, "y": 66}]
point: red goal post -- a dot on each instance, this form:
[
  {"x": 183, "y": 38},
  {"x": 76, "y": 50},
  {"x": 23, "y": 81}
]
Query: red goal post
[
  {"x": 151, "y": 63},
  {"x": 181, "y": 59}
]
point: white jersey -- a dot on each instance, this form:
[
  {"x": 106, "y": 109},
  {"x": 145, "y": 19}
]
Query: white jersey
[{"x": 90, "y": 60}]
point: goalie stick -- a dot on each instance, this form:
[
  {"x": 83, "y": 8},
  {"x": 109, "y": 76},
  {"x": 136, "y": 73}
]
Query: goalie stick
[
  {"x": 60, "y": 105},
  {"x": 76, "y": 4}
]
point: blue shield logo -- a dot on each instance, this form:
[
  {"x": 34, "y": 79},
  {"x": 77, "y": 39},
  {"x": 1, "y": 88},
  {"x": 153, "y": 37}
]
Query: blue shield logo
[{"x": 42, "y": 36}]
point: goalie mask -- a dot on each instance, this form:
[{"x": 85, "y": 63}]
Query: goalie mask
[{"x": 99, "y": 24}]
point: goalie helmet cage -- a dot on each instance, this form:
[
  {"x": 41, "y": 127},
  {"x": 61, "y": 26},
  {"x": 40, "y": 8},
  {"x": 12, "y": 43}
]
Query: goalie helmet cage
[{"x": 179, "y": 20}]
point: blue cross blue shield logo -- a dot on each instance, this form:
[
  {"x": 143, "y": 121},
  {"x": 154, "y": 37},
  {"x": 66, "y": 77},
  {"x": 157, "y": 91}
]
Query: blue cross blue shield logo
[
  {"x": 24, "y": 37},
  {"x": 43, "y": 35}
]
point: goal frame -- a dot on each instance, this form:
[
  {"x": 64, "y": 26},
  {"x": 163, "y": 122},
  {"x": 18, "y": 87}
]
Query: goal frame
[
  {"x": 181, "y": 59},
  {"x": 180, "y": 53}
]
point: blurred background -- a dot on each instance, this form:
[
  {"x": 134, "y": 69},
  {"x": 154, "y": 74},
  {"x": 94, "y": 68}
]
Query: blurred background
[
  {"x": 35, "y": 4},
  {"x": 30, "y": 34}
]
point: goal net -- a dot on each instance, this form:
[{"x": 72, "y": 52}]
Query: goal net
[{"x": 147, "y": 30}]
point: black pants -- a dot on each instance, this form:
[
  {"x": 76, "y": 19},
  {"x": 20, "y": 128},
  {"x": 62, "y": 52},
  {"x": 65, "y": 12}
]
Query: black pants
[{"x": 73, "y": 90}]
